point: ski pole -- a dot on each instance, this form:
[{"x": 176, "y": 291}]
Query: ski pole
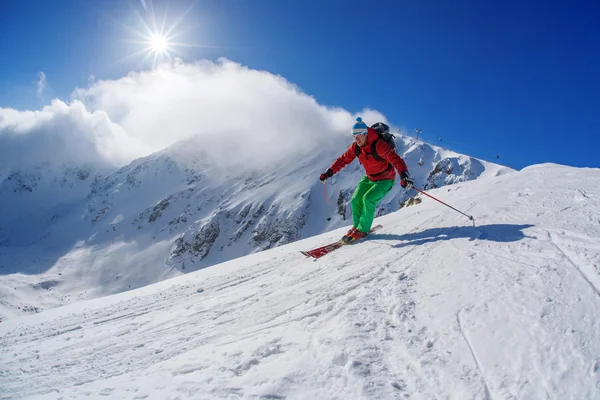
[
  {"x": 326, "y": 200},
  {"x": 428, "y": 195}
]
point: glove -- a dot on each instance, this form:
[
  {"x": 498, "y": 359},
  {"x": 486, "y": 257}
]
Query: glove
[
  {"x": 405, "y": 181},
  {"x": 327, "y": 174}
]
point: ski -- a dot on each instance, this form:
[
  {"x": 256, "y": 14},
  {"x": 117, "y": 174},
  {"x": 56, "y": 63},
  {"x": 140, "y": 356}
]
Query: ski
[{"x": 321, "y": 251}]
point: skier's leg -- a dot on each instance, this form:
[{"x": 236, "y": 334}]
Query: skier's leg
[
  {"x": 357, "y": 199},
  {"x": 370, "y": 200}
]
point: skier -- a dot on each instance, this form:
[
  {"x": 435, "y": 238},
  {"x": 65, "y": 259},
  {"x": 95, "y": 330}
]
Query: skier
[{"x": 379, "y": 179}]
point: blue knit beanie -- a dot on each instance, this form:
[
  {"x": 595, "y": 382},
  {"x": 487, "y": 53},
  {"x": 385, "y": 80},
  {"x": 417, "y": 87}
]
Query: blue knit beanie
[{"x": 359, "y": 127}]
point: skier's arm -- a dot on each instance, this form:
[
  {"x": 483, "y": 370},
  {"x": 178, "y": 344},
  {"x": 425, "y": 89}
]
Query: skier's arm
[
  {"x": 388, "y": 154},
  {"x": 344, "y": 159}
]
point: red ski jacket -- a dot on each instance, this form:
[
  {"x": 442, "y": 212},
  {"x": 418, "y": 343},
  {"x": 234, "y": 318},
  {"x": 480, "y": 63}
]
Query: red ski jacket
[{"x": 376, "y": 170}]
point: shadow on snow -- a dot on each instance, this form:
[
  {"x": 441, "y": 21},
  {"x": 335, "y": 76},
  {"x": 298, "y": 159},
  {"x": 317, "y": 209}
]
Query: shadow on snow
[{"x": 493, "y": 233}]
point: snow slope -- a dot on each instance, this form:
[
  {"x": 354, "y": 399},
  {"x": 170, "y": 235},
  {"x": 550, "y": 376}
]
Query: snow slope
[
  {"x": 73, "y": 233},
  {"x": 428, "y": 308}
]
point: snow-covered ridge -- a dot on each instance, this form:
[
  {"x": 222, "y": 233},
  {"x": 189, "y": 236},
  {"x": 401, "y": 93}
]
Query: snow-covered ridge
[
  {"x": 177, "y": 211},
  {"x": 429, "y": 307}
]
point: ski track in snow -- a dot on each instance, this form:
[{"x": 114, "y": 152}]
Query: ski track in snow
[
  {"x": 555, "y": 242},
  {"x": 477, "y": 363},
  {"x": 430, "y": 308}
]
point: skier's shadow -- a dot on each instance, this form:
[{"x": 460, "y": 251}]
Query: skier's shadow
[{"x": 493, "y": 232}]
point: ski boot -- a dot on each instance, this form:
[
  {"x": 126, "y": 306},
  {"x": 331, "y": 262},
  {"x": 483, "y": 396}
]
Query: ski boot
[{"x": 352, "y": 235}]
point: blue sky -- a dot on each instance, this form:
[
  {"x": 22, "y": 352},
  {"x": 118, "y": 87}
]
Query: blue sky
[{"x": 512, "y": 78}]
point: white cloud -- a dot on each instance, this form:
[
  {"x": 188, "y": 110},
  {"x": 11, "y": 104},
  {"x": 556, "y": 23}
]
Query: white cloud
[
  {"x": 245, "y": 115},
  {"x": 40, "y": 85},
  {"x": 62, "y": 133}
]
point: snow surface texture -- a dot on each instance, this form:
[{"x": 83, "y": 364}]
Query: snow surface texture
[
  {"x": 428, "y": 308},
  {"x": 69, "y": 233}
]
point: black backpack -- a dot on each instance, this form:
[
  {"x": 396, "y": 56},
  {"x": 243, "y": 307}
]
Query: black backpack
[{"x": 383, "y": 131}]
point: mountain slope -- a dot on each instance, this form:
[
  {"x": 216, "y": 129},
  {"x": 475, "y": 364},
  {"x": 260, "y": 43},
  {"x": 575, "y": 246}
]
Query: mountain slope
[
  {"x": 430, "y": 307},
  {"x": 79, "y": 234}
]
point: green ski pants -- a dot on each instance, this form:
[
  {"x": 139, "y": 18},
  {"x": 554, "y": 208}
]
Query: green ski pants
[{"x": 365, "y": 199}]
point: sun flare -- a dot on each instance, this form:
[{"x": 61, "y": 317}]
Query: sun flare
[
  {"x": 159, "y": 46},
  {"x": 160, "y": 36},
  {"x": 158, "y": 43}
]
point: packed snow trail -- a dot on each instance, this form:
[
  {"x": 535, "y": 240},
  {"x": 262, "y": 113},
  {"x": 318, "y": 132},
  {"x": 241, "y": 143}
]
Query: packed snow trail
[{"x": 428, "y": 307}]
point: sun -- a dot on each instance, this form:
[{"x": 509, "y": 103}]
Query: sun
[
  {"x": 159, "y": 43},
  {"x": 158, "y": 35},
  {"x": 159, "y": 46}
]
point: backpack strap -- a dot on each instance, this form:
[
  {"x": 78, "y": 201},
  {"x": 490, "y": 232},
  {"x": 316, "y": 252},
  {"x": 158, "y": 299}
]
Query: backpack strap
[
  {"x": 375, "y": 156},
  {"x": 374, "y": 150},
  {"x": 378, "y": 157}
]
